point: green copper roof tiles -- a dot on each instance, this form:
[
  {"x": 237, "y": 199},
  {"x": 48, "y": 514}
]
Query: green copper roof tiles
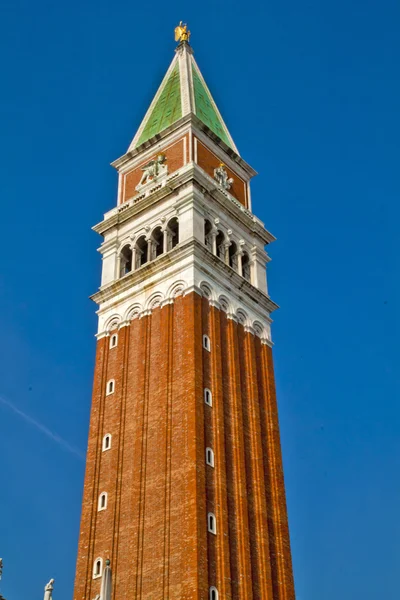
[
  {"x": 167, "y": 109},
  {"x": 205, "y": 109}
]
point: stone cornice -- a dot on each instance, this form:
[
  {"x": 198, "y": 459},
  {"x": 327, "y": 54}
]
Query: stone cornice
[{"x": 175, "y": 181}]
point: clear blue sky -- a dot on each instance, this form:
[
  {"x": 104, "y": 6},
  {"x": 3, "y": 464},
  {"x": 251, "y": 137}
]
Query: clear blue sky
[{"x": 310, "y": 92}]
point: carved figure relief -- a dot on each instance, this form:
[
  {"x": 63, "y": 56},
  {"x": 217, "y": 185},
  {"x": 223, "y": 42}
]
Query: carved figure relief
[
  {"x": 153, "y": 170},
  {"x": 222, "y": 178}
]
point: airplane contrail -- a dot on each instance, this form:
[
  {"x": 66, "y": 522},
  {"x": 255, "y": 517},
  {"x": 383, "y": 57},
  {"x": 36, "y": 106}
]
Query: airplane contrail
[{"x": 40, "y": 427}]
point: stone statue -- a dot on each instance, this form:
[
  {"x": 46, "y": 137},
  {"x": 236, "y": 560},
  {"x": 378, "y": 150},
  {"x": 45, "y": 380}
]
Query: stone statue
[
  {"x": 48, "y": 590},
  {"x": 222, "y": 178},
  {"x": 154, "y": 169},
  {"x": 181, "y": 33}
]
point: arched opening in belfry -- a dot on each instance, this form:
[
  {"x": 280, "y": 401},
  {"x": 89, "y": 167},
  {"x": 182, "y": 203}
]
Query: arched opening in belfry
[
  {"x": 157, "y": 242},
  {"x": 125, "y": 261},
  {"x": 233, "y": 258},
  {"x": 173, "y": 233},
  {"x": 141, "y": 248},
  {"x": 221, "y": 245},
  {"x": 208, "y": 235},
  {"x": 246, "y": 271}
]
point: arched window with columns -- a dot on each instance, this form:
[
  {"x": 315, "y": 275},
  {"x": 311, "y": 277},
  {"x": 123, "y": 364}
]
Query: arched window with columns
[
  {"x": 172, "y": 233},
  {"x": 221, "y": 245},
  {"x": 141, "y": 252},
  {"x": 125, "y": 260},
  {"x": 208, "y": 235},
  {"x": 157, "y": 243},
  {"x": 233, "y": 256},
  {"x": 246, "y": 270}
]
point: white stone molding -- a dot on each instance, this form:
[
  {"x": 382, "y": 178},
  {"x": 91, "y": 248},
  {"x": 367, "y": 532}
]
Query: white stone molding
[
  {"x": 231, "y": 209},
  {"x": 176, "y": 289},
  {"x": 224, "y": 304},
  {"x": 133, "y": 312},
  {"x": 242, "y": 316},
  {"x": 258, "y": 328},
  {"x": 112, "y": 323},
  {"x": 155, "y": 301},
  {"x": 206, "y": 290}
]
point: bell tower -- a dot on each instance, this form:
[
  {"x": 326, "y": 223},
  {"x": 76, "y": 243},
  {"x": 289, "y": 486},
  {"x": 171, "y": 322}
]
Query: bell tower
[{"x": 184, "y": 496}]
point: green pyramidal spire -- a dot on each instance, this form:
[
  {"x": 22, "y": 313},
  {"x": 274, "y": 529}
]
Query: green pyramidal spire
[
  {"x": 183, "y": 91},
  {"x": 166, "y": 110}
]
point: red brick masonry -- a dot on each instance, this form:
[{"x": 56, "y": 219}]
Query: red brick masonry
[
  {"x": 154, "y": 529},
  {"x": 208, "y": 161},
  {"x": 175, "y": 160}
]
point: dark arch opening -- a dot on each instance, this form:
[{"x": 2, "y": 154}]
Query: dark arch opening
[
  {"x": 207, "y": 235},
  {"x": 141, "y": 252},
  {"x": 157, "y": 242},
  {"x": 125, "y": 261},
  {"x": 233, "y": 260},
  {"x": 221, "y": 245},
  {"x": 246, "y": 266},
  {"x": 173, "y": 233}
]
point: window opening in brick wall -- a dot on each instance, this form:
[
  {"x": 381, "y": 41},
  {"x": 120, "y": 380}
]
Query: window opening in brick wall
[
  {"x": 209, "y": 457},
  {"x": 208, "y": 396},
  {"x": 107, "y": 442},
  {"x": 110, "y": 387},
  {"x": 213, "y": 593},
  {"x": 206, "y": 343},
  {"x": 113, "y": 340},
  {"x": 212, "y": 523},
  {"x": 97, "y": 568},
  {"x": 102, "y": 501}
]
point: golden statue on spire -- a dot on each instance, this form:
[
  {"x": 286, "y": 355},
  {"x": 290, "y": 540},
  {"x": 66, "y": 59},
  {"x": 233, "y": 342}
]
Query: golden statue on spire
[{"x": 182, "y": 34}]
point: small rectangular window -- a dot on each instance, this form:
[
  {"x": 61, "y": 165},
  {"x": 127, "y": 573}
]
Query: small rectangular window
[
  {"x": 212, "y": 524},
  {"x": 110, "y": 387},
  {"x": 206, "y": 343},
  {"x": 210, "y": 457}
]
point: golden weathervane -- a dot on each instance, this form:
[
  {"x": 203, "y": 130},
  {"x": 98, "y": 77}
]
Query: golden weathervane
[{"x": 182, "y": 34}]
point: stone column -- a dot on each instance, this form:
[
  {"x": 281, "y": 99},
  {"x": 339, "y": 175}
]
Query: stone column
[
  {"x": 133, "y": 248},
  {"x": 213, "y": 234},
  {"x": 118, "y": 262},
  {"x": 226, "y": 252},
  {"x": 165, "y": 240},
  {"x": 150, "y": 247}
]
